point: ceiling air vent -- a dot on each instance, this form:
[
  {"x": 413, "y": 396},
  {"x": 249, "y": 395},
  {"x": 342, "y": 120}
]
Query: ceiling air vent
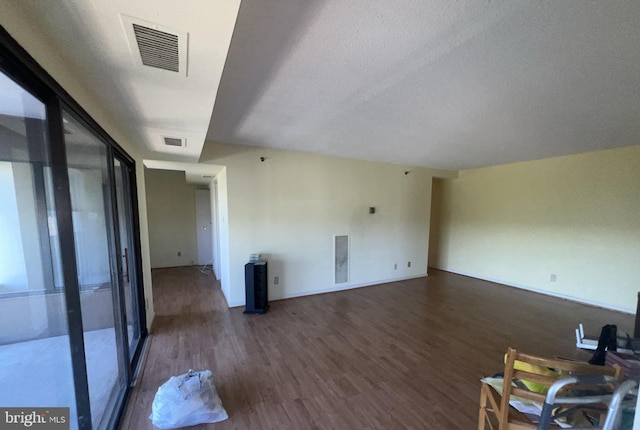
[
  {"x": 156, "y": 46},
  {"x": 174, "y": 141}
]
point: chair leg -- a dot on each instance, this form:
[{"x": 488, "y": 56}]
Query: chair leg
[{"x": 482, "y": 418}]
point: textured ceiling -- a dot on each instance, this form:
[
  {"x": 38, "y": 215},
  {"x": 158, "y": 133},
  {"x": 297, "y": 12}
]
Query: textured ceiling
[{"x": 442, "y": 84}]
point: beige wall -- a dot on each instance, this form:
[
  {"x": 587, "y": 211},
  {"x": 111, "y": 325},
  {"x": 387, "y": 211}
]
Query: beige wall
[
  {"x": 171, "y": 212},
  {"x": 22, "y": 28},
  {"x": 577, "y": 217},
  {"x": 289, "y": 207}
]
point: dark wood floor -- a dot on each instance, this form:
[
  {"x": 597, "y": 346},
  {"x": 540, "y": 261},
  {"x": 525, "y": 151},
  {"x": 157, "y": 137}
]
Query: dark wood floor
[{"x": 399, "y": 355}]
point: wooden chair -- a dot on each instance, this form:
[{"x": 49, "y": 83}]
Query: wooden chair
[{"x": 494, "y": 406}]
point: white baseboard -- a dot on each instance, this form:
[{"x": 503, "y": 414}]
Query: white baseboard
[
  {"x": 545, "y": 292},
  {"x": 236, "y": 304},
  {"x": 332, "y": 289}
]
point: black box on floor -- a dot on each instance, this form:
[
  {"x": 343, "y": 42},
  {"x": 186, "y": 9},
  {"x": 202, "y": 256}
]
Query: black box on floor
[{"x": 257, "y": 294}]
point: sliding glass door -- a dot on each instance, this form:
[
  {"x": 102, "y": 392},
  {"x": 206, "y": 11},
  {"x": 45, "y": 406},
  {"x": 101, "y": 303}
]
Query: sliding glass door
[
  {"x": 123, "y": 177},
  {"x": 94, "y": 240},
  {"x": 72, "y": 323},
  {"x": 35, "y": 347}
]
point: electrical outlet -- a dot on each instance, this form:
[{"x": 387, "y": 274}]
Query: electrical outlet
[
  {"x": 179, "y": 254},
  {"x": 408, "y": 264},
  {"x": 276, "y": 280},
  {"x": 395, "y": 266},
  {"x": 553, "y": 277}
]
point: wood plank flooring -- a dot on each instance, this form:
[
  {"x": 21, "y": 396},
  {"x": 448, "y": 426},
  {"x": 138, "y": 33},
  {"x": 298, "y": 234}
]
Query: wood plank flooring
[{"x": 393, "y": 356}]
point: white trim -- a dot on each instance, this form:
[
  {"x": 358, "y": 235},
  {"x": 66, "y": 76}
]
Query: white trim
[
  {"x": 545, "y": 292},
  {"x": 334, "y": 289},
  {"x": 236, "y": 304}
]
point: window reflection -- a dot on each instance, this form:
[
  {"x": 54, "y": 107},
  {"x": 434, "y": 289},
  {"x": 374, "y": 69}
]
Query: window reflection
[
  {"x": 35, "y": 358},
  {"x": 91, "y": 208}
]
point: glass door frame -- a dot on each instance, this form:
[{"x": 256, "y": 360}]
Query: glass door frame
[
  {"x": 127, "y": 162},
  {"x": 112, "y": 227},
  {"x": 17, "y": 64}
]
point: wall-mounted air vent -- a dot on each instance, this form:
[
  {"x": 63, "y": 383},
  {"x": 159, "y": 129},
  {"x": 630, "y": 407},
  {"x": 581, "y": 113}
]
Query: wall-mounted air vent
[
  {"x": 341, "y": 253},
  {"x": 156, "y": 46},
  {"x": 174, "y": 141}
]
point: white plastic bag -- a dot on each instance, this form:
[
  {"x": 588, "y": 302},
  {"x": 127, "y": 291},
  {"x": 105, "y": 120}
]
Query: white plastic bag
[{"x": 187, "y": 400}]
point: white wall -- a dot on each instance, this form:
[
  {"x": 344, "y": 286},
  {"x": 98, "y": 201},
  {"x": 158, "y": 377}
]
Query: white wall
[
  {"x": 289, "y": 207},
  {"x": 576, "y": 217},
  {"x": 224, "y": 274},
  {"x": 171, "y": 211},
  {"x": 22, "y": 28}
]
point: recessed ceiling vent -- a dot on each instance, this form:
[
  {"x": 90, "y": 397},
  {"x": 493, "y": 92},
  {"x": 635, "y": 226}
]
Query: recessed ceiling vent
[
  {"x": 157, "y": 48},
  {"x": 174, "y": 141}
]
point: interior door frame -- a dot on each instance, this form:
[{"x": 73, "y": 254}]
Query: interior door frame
[
  {"x": 203, "y": 202},
  {"x": 215, "y": 213}
]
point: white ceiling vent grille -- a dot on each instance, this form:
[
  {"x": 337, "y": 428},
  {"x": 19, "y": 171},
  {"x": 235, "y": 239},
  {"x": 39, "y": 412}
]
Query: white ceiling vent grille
[
  {"x": 175, "y": 141},
  {"x": 157, "y": 48},
  {"x": 341, "y": 253}
]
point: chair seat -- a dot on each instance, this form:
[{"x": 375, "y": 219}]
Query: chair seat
[
  {"x": 496, "y": 412},
  {"x": 516, "y": 419}
]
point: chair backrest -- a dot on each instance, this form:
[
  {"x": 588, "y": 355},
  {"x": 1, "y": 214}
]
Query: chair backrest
[{"x": 536, "y": 370}]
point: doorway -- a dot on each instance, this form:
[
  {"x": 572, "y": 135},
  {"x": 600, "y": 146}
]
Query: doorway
[
  {"x": 435, "y": 224},
  {"x": 204, "y": 227}
]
